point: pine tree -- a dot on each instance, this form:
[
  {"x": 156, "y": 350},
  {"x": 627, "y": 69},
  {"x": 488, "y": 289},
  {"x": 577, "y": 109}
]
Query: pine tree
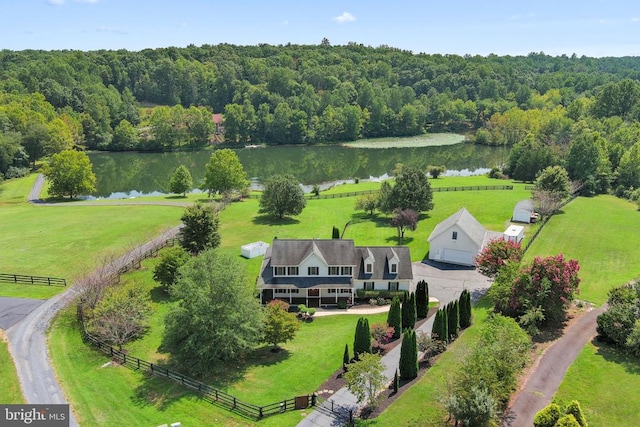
[
  {"x": 422, "y": 299},
  {"x": 335, "y": 234},
  {"x": 394, "y": 317},
  {"x": 345, "y": 357},
  {"x": 409, "y": 356},
  {"x": 409, "y": 312},
  {"x": 362, "y": 339},
  {"x": 465, "y": 309}
]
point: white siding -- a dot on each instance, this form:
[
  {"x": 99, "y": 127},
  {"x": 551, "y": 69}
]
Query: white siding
[
  {"x": 459, "y": 251},
  {"x": 313, "y": 261}
]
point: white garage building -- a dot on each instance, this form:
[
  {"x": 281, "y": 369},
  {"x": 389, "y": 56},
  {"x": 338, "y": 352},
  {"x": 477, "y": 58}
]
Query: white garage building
[{"x": 459, "y": 239}]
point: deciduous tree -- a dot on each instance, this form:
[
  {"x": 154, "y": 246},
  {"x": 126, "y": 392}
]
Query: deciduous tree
[
  {"x": 181, "y": 181},
  {"x": 200, "y": 231},
  {"x": 166, "y": 270},
  {"x": 70, "y": 174},
  {"x": 279, "y": 326},
  {"x": 282, "y": 196},
  {"x": 224, "y": 173},
  {"x": 217, "y": 318},
  {"x": 403, "y": 220},
  {"x": 495, "y": 254},
  {"x": 411, "y": 191},
  {"x": 122, "y": 315},
  {"x": 367, "y": 203},
  {"x": 365, "y": 378}
]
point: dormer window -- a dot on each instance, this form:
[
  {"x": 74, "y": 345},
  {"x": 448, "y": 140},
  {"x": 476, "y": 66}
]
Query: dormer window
[
  {"x": 368, "y": 268},
  {"x": 454, "y": 235},
  {"x": 393, "y": 268}
]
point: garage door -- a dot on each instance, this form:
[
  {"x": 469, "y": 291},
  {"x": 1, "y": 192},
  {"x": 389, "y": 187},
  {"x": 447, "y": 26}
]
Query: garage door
[{"x": 458, "y": 257}]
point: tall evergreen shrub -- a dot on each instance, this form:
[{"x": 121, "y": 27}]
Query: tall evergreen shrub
[
  {"x": 409, "y": 356},
  {"x": 465, "y": 309},
  {"x": 409, "y": 312},
  {"x": 422, "y": 299},
  {"x": 362, "y": 339},
  {"x": 394, "y": 317}
]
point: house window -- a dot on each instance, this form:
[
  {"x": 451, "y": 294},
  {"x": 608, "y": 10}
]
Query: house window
[
  {"x": 394, "y": 286},
  {"x": 314, "y": 271},
  {"x": 334, "y": 271},
  {"x": 346, "y": 271},
  {"x": 282, "y": 291},
  {"x": 292, "y": 271},
  {"x": 294, "y": 291},
  {"x": 394, "y": 268},
  {"x": 345, "y": 291},
  {"x": 331, "y": 291},
  {"x": 454, "y": 235},
  {"x": 368, "y": 286},
  {"x": 280, "y": 271},
  {"x": 368, "y": 268}
]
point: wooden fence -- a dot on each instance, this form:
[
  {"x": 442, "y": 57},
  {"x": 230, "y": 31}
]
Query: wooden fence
[
  {"x": 434, "y": 189},
  {"x": 32, "y": 280},
  {"x": 210, "y": 394}
]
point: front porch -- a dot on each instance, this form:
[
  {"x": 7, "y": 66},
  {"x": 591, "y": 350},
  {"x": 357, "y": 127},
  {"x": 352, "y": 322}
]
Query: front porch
[{"x": 317, "y": 296}]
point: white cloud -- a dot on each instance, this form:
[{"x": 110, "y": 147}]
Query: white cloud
[
  {"x": 344, "y": 18},
  {"x": 86, "y": 1},
  {"x": 635, "y": 19},
  {"x": 55, "y": 2}
]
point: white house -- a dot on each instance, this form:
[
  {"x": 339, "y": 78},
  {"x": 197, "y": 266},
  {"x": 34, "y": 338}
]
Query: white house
[
  {"x": 459, "y": 239},
  {"x": 319, "y": 272},
  {"x": 254, "y": 249},
  {"x": 515, "y": 233},
  {"x": 523, "y": 211}
]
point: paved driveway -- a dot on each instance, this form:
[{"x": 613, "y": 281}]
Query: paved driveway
[
  {"x": 447, "y": 281},
  {"x": 13, "y": 310}
]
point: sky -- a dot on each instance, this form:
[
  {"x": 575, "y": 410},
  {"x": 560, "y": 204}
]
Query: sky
[{"x": 594, "y": 28}]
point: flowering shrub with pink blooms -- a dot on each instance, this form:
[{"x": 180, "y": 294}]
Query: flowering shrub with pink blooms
[
  {"x": 547, "y": 283},
  {"x": 496, "y": 254},
  {"x": 381, "y": 333}
]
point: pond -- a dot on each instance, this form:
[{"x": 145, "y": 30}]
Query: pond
[{"x": 121, "y": 175}]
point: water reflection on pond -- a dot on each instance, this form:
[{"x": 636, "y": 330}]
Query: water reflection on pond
[{"x": 121, "y": 175}]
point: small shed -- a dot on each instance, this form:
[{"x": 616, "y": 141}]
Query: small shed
[
  {"x": 515, "y": 233},
  {"x": 254, "y": 249},
  {"x": 523, "y": 211}
]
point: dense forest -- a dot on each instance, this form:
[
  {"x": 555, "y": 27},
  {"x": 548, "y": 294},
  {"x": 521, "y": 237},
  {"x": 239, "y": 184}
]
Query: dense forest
[{"x": 552, "y": 110}]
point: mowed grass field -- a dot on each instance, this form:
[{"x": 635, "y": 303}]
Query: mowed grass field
[
  {"x": 10, "y": 390},
  {"x": 602, "y": 233},
  {"x": 108, "y": 395},
  {"x": 68, "y": 241}
]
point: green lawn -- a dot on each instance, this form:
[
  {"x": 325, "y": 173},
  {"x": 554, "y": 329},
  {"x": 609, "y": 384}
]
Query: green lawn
[
  {"x": 602, "y": 234},
  {"x": 605, "y": 382},
  {"x": 67, "y": 241},
  {"x": 262, "y": 378},
  {"x": 420, "y": 405},
  {"x": 10, "y": 391}
]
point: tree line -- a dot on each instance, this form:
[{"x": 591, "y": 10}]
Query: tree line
[{"x": 302, "y": 94}]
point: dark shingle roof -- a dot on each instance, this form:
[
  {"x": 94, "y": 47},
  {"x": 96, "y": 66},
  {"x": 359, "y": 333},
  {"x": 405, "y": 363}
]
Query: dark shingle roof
[
  {"x": 526, "y": 205},
  {"x": 293, "y": 251},
  {"x": 381, "y": 256}
]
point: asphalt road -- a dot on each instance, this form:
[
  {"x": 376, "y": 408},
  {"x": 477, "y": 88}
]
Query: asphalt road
[
  {"x": 28, "y": 340},
  {"x": 13, "y": 310}
]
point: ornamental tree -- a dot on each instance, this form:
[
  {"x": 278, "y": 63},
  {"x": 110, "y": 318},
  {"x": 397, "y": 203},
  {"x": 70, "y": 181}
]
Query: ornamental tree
[
  {"x": 200, "y": 231},
  {"x": 403, "y": 220},
  {"x": 165, "y": 272},
  {"x": 365, "y": 378},
  {"x": 549, "y": 283},
  {"x": 381, "y": 333},
  {"x": 495, "y": 254},
  {"x": 279, "y": 325}
]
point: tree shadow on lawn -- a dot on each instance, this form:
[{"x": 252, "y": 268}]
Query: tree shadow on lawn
[
  {"x": 615, "y": 355},
  {"x": 269, "y": 220},
  {"x": 159, "y": 295},
  {"x": 160, "y": 393}
]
